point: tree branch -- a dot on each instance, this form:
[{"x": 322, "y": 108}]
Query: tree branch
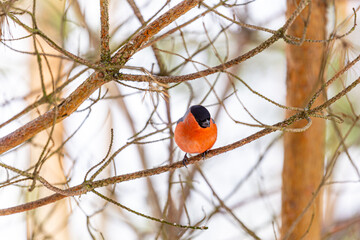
[
  {"x": 104, "y": 35},
  {"x": 95, "y": 81},
  {"x": 89, "y": 186}
]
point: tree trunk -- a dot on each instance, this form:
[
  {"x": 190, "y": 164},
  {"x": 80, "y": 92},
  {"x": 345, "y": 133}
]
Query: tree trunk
[
  {"x": 304, "y": 152},
  {"x": 50, "y": 221}
]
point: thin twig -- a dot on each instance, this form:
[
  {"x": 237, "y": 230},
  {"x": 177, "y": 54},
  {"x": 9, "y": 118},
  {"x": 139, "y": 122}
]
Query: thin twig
[{"x": 104, "y": 35}]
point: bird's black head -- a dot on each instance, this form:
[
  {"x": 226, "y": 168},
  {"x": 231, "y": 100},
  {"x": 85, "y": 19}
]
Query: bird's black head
[{"x": 201, "y": 115}]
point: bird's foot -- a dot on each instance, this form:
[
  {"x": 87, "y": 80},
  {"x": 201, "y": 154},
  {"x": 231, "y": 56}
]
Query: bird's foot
[
  {"x": 185, "y": 160},
  {"x": 204, "y": 154}
]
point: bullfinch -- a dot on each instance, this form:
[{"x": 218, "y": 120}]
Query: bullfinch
[{"x": 196, "y": 131}]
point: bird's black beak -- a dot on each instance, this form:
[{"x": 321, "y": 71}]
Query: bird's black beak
[{"x": 205, "y": 123}]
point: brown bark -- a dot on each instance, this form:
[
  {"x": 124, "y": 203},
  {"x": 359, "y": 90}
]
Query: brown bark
[{"x": 304, "y": 152}]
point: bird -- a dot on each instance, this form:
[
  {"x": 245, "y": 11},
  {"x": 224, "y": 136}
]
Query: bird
[{"x": 195, "y": 132}]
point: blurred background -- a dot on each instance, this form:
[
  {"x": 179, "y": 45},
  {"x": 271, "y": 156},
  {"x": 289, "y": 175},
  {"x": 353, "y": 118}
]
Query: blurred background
[{"x": 248, "y": 179}]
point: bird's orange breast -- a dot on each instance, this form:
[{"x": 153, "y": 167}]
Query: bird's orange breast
[{"x": 192, "y": 138}]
